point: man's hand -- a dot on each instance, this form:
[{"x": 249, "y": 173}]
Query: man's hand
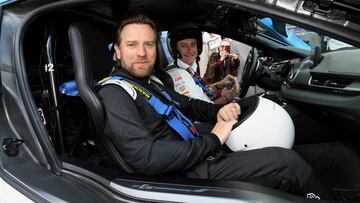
[
  {"x": 233, "y": 79},
  {"x": 224, "y": 56},
  {"x": 228, "y": 94},
  {"x": 234, "y": 56},
  {"x": 222, "y": 130},
  {"x": 229, "y": 112}
]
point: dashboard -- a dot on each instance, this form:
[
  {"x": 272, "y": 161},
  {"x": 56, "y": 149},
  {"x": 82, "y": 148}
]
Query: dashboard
[
  {"x": 331, "y": 88},
  {"x": 337, "y": 73}
]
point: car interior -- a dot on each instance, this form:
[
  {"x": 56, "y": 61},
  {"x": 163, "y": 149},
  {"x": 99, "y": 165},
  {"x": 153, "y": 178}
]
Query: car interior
[{"x": 321, "y": 91}]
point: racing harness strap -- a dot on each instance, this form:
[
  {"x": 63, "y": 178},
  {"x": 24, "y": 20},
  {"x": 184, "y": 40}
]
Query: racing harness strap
[
  {"x": 170, "y": 112},
  {"x": 199, "y": 81}
]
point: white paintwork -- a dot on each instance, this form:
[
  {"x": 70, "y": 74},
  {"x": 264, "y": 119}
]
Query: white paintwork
[{"x": 10, "y": 194}]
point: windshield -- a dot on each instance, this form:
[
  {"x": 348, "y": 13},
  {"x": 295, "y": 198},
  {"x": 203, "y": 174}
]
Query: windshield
[
  {"x": 299, "y": 37},
  {"x": 313, "y": 39}
]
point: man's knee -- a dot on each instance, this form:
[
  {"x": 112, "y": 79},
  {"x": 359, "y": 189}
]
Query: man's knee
[{"x": 292, "y": 166}]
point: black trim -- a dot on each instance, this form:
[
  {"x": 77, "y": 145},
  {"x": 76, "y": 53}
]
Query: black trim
[{"x": 25, "y": 91}]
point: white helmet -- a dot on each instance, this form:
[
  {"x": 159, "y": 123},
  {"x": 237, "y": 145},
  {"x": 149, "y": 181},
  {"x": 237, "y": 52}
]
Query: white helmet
[{"x": 268, "y": 125}]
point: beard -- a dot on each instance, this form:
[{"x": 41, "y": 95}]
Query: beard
[
  {"x": 140, "y": 74},
  {"x": 139, "y": 71}
]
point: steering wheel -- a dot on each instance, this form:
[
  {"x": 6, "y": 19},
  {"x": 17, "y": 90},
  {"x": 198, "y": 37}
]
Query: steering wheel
[{"x": 247, "y": 78}]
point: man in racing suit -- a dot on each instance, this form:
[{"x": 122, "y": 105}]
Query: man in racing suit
[
  {"x": 185, "y": 44},
  {"x": 150, "y": 146}
]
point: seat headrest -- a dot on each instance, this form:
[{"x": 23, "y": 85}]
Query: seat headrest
[{"x": 90, "y": 48}]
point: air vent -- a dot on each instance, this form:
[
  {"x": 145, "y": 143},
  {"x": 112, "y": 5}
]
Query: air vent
[{"x": 335, "y": 83}]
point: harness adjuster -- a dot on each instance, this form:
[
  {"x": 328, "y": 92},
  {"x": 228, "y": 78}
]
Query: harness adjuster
[{"x": 169, "y": 112}]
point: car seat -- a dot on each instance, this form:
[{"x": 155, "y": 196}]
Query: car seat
[{"x": 92, "y": 61}]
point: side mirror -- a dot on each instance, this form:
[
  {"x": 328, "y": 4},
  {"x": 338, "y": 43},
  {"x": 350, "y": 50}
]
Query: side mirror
[{"x": 315, "y": 56}]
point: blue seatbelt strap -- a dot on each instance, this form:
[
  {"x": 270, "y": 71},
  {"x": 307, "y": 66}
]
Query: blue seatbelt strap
[
  {"x": 199, "y": 81},
  {"x": 174, "y": 117}
]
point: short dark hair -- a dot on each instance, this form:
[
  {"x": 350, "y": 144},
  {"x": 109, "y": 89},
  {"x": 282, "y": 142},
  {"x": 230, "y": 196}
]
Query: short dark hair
[{"x": 133, "y": 19}]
